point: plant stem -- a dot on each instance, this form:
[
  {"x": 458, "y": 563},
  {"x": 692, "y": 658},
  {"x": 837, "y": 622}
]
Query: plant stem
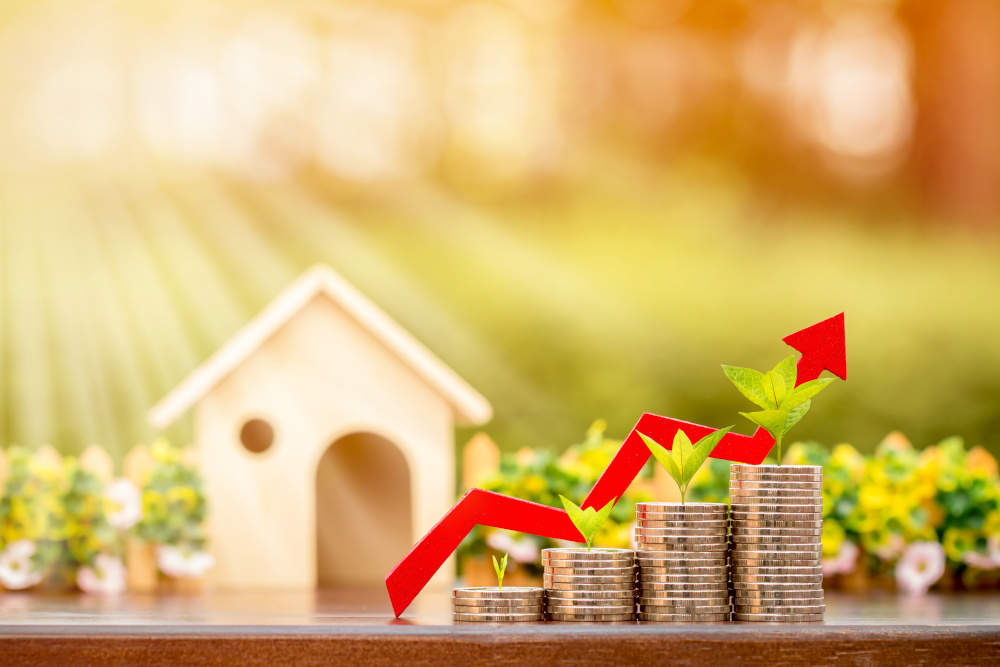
[
  {"x": 779, "y": 450},
  {"x": 683, "y": 491}
]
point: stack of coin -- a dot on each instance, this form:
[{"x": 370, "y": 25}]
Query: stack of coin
[
  {"x": 681, "y": 551},
  {"x": 776, "y": 542},
  {"x": 595, "y": 585},
  {"x": 488, "y": 604}
]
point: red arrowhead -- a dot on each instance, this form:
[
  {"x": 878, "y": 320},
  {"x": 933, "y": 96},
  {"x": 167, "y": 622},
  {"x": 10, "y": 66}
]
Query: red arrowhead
[{"x": 822, "y": 346}]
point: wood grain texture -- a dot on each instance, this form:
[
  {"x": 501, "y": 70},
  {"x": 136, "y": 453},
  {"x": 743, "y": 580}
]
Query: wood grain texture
[{"x": 338, "y": 627}]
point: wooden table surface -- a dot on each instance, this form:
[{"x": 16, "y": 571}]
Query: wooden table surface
[{"x": 329, "y": 627}]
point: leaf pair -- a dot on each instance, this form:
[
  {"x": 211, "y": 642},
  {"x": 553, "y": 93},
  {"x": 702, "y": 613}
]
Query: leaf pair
[
  {"x": 587, "y": 521},
  {"x": 784, "y": 404},
  {"x": 500, "y": 568},
  {"x": 683, "y": 459}
]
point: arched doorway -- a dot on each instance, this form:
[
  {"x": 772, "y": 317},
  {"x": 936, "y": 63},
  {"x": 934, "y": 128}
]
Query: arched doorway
[{"x": 363, "y": 517}]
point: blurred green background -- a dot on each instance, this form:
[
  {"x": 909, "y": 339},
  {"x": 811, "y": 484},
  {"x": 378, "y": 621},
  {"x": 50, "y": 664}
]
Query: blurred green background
[{"x": 583, "y": 207}]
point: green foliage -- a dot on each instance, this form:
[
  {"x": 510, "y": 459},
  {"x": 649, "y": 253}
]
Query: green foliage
[
  {"x": 500, "y": 568},
  {"x": 784, "y": 404},
  {"x": 587, "y": 521},
  {"x": 173, "y": 501},
  {"x": 683, "y": 460}
]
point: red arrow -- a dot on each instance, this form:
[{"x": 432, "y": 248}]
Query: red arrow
[{"x": 818, "y": 345}]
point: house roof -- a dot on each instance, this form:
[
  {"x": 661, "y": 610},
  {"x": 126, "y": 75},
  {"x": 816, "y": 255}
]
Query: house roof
[{"x": 470, "y": 407}]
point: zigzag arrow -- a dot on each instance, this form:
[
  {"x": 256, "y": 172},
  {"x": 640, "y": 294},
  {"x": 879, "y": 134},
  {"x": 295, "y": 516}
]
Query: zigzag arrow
[{"x": 822, "y": 347}]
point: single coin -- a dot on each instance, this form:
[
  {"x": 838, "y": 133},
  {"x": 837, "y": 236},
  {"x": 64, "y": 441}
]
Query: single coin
[
  {"x": 777, "y": 578},
  {"x": 801, "y": 570},
  {"x": 697, "y": 540},
  {"x": 683, "y": 532},
  {"x": 685, "y": 571},
  {"x": 592, "y": 618},
  {"x": 591, "y": 595},
  {"x": 741, "y": 526},
  {"x": 681, "y": 562},
  {"x": 626, "y": 586},
  {"x": 673, "y": 600},
  {"x": 781, "y": 594},
  {"x": 603, "y": 562},
  {"x": 776, "y": 603},
  {"x": 740, "y": 534},
  {"x": 747, "y": 484},
  {"x": 576, "y": 606},
  {"x": 775, "y": 562},
  {"x": 775, "y": 469},
  {"x": 578, "y": 553},
  {"x": 678, "y": 548},
  {"x": 516, "y": 592},
  {"x": 591, "y": 571},
  {"x": 740, "y": 488},
  {"x": 682, "y": 508},
  {"x": 776, "y": 498},
  {"x": 687, "y": 609},
  {"x": 685, "y": 595},
  {"x": 683, "y": 618},
  {"x": 775, "y": 586},
  {"x": 682, "y": 579},
  {"x": 779, "y": 618},
  {"x": 499, "y": 618},
  {"x": 755, "y": 503},
  {"x": 753, "y": 550},
  {"x": 526, "y": 609},
  {"x": 574, "y": 579},
  {"x": 775, "y": 479},
  {"x": 683, "y": 524},
  {"x": 680, "y": 586}
]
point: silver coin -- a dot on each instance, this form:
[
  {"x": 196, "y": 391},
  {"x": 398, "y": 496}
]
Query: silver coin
[
  {"x": 718, "y": 560},
  {"x": 577, "y": 553},
  {"x": 575, "y": 586},
  {"x": 529, "y": 609},
  {"x": 592, "y": 618},
  {"x": 681, "y": 508},
  {"x": 683, "y": 618},
  {"x": 804, "y": 569},
  {"x": 515, "y": 592},
  {"x": 684, "y": 595},
  {"x": 687, "y": 609},
  {"x": 755, "y": 503},
  {"x": 679, "y": 548},
  {"x": 720, "y": 570},
  {"x": 749, "y": 484},
  {"x": 751, "y": 524},
  {"x": 696, "y": 540},
  {"x": 680, "y": 586},
  {"x": 778, "y": 496},
  {"x": 780, "y": 594},
  {"x": 801, "y": 550},
  {"x": 775, "y": 469},
  {"x": 595, "y": 596},
  {"x": 683, "y": 524},
  {"x": 575, "y": 607},
  {"x": 565, "y": 562},
  {"x": 683, "y": 532},
  {"x": 689, "y": 578},
  {"x": 654, "y": 601},
  {"x": 591, "y": 571},
  {"x": 772, "y": 563},
  {"x": 740, "y": 534},
  {"x": 779, "y": 618},
  {"x": 499, "y": 618},
  {"x": 548, "y": 581},
  {"x": 777, "y": 578},
  {"x": 743, "y": 601},
  {"x": 775, "y": 585}
]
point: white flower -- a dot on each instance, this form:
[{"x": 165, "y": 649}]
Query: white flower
[
  {"x": 107, "y": 576},
  {"x": 16, "y": 570},
  {"x": 921, "y": 565},
  {"x": 175, "y": 563},
  {"x": 522, "y": 550},
  {"x": 844, "y": 562},
  {"x": 892, "y": 548},
  {"x": 124, "y": 495}
]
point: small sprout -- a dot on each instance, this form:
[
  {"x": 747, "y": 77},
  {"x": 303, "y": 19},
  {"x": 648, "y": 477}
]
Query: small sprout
[
  {"x": 784, "y": 403},
  {"x": 587, "y": 521},
  {"x": 500, "y": 567},
  {"x": 683, "y": 459}
]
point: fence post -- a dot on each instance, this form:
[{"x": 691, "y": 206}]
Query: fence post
[
  {"x": 480, "y": 458},
  {"x": 141, "y": 570},
  {"x": 47, "y": 457}
]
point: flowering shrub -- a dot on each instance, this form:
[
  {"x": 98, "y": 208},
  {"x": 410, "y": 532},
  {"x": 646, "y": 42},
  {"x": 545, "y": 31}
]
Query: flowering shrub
[{"x": 542, "y": 478}]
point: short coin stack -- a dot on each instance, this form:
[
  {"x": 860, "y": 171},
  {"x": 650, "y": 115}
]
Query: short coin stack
[
  {"x": 681, "y": 551},
  {"x": 595, "y": 585},
  {"x": 490, "y": 605},
  {"x": 776, "y": 542}
]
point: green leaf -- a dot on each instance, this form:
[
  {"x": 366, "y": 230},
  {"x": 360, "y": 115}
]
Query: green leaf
[
  {"x": 794, "y": 415},
  {"x": 587, "y": 521},
  {"x": 599, "y": 517},
  {"x": 804, "y": 392},
  {"x": 576, "y": 515},
  {"x": 700, "y": 452},
  {"x": 748, "y": 381},
  {"x": 787, "y": 370},
  {"x": 774, "y": 389},
  {"x": 662, "y": 455},
  {"x": 681, "y": 452},
  {"x": 773, "y": 421}
]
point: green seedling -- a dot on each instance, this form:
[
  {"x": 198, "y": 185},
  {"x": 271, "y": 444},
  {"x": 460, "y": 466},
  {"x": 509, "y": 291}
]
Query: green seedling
[
  {"x": 784, "y": 404},
  {"x": 684, "y": 459},
  {"x": 500, "y": 567},
  {"x": 587, "y": 521}
]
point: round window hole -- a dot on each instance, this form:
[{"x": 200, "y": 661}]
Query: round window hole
[{"x": 257, "y": 435}]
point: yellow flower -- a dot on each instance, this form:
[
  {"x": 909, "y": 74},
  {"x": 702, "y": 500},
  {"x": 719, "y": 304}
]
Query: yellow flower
[
  {"x": 958, "y": 542},
  {"x": 833, "y": 537}
]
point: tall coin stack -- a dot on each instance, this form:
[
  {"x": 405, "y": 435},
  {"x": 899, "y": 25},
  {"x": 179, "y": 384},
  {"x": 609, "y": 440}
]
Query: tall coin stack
[
  {"x": 490, "y": 605},
  {"x": 681, "y": 551},
  {"x": 595, "y": 585},
  {"x": 776, "y": 542}
]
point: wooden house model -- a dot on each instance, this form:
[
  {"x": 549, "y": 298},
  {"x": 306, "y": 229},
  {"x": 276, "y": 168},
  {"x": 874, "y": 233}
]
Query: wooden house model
[{"x": 326, "y": 439}]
